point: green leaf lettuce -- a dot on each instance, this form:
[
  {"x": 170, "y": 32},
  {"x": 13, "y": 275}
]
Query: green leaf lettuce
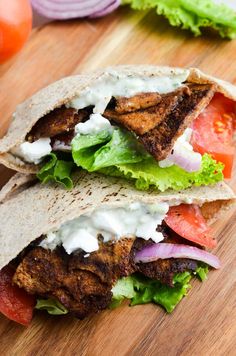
[
  {"x": 119, "y": 154},
  {"x": 56, "y": 170},
  {"x": 105, "y": 149},
  {"x": 148, "y": 174},
  {"x": 192, "y": 15},
  {"x": 141, "y": 290},
  {"x": 52, "y": 306}
]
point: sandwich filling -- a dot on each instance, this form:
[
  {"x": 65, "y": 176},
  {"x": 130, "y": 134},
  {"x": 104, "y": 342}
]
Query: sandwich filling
[
  {"x": 136, "y": 219},
  {"x": 99, "y": 259},
  {"x": 149, "y": 130}
]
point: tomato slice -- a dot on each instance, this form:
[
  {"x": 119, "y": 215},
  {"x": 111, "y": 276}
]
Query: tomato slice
[
  {"x": 187, "y": 221},
  {"x": 213, "y": 131},
  {"x": 15, "y": 303}
]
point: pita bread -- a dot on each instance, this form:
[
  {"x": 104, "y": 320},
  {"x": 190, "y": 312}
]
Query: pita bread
[
  {"x": 29, "y": 209},
  {"x": 64, "y": 90}
]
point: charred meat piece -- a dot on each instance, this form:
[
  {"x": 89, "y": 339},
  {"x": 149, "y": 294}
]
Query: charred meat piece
[
  {"x": 164, "y": 270},
  {"x": 142, "y": 121},
  {"x": 41, "y": 271},
  {"x": 57, "y": 122},
  {"x": 82, "y": 284},
  {"x": 159, "y": 126},
  {"x": 160, "y": 140},
  {"x": 44, "y": 272},
  {"x": 124, "y": 105},
  {"x": 84, "y": 293},
  {"x": 110, "y": 262}
]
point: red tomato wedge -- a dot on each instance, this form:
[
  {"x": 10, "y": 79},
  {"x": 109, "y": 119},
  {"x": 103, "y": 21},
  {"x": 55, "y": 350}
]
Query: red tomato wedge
[
  {"x": 213, "y": 131},
  {"x": 187, "y": 221},
  {"x": 15, "y": 303}
]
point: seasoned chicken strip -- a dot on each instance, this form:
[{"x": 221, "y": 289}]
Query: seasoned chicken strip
[
  {"x": 144, "y": 120},
  {"x": 57, "y": 122},
  {"x": 140, "y": 101},
  {"x": 159, "y": 126},
  {"x": 109, "y": 263},
  {"x": 46, "y": 273},
  {"x": 160, "y": 140}
]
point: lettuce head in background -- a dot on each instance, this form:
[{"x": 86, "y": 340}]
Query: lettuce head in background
[{"x": 194, "y": 15}]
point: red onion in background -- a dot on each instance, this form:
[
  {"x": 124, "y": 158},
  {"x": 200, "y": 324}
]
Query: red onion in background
[
  {"x": 113, "y": 5},
  {"x": 62, "y": 9}
]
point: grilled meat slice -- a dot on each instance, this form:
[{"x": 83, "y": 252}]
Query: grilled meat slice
[
  {"x": 160, "y": 140},
  {"x": 142, "y": 121},
  {"x": 46, "y": 273},
  {"x": 41, "y": 271},
  {"x": 124, "y": 105},
  {"x": 82, "y": 293},
  {"x": 82, "y": 284},
  {"x": 159, "y": 126},
  {"x": 110, "y": 262},
  {"x": 58, "y": 121},
  {"x": 164, "y": 270}
]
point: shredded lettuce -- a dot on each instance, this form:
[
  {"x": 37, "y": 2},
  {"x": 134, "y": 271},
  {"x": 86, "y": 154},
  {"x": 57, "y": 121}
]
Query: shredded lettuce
[
  {"x": 56, "y": 170},
  {"x": 141, "y": 290},
  {"x": 193, "y": 15},
  {"x": 52, "y": 306}
]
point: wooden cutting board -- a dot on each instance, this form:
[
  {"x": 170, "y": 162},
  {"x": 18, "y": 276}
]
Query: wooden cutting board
[{"x": 204, "y": 323}]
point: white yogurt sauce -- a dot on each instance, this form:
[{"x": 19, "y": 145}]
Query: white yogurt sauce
[
  {"x": 95, "y": 124},
  {"x": 134, "y": 220},
  {"x": 33, "y": 152},
  {"x": 115, "y": 84}
]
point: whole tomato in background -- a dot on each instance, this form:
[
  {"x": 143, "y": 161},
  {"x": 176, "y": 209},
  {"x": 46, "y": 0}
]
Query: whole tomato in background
[{"x": 15, "y": 26}]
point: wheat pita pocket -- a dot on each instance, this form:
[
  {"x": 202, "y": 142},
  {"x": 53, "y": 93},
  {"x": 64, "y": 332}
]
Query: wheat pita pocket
[
  {"x": 64, "y": 90},
  {"x": 29, "y": 209}
]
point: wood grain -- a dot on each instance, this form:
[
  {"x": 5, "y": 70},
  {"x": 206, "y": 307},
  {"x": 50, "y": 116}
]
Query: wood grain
[{"x": 204, "y": 322}]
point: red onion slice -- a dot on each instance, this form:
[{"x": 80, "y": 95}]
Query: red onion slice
[
  {"x": 190, "y": 161},
  {"x": 167, "y": 250},
  {"x": 183, "y": 155},
  {"x": 61, "y": 9},
  {"x": 113, "y": 6}
]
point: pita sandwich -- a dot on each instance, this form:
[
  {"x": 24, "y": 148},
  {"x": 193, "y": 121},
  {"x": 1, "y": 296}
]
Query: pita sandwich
[
  {"x": 169, "y": 128},
  {"x": 83, "y": 250}
]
